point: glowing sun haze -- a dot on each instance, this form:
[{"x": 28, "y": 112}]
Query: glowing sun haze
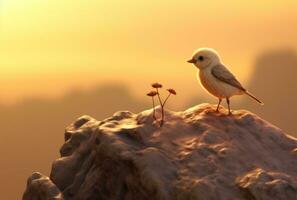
[{"x": 49, "y": 47}]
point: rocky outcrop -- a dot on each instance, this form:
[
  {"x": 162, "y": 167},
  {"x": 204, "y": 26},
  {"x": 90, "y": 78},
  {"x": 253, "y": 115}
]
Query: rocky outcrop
[
  {"x": 198, "y": 154},
  {"x": 41, "y": 187},
  {"x": 260, "y": 184}
]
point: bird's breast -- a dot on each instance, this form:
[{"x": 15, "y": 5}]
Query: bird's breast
[{"x": 215, "y": 86}]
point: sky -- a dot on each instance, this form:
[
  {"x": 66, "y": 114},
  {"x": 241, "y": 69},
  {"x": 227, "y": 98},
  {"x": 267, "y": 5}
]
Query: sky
[{"x": 50, "y": 47}]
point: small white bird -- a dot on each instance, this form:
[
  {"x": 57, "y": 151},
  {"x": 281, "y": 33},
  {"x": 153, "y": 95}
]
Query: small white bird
[{"x": 216, "y": 78}]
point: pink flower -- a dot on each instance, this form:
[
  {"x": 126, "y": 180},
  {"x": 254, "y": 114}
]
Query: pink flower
[
  {"x": 157, "y": 85},
  {"x": 152, "y": 93},
  {"x": 171, "y": 91}
]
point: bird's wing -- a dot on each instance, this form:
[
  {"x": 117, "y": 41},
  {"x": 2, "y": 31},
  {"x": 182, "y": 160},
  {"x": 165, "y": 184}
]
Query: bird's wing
[{"x": 223, "y": 74}]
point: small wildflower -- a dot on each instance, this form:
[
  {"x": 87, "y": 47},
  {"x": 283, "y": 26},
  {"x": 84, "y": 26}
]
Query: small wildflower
[
  {"x": 157, "y": 85},
  {"x": 162, "y": 103},
  {"x": 171, "y": 91},
  {"x": 152, "y": 93}
]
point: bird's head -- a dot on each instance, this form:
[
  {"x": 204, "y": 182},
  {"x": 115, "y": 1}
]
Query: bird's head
[{"x": 204, "y": 58}]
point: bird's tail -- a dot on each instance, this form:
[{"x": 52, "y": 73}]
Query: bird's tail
[{"x": 253, "y": 97}]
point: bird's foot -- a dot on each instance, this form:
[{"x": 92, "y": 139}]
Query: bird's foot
[{"x": 230, "y": 113}]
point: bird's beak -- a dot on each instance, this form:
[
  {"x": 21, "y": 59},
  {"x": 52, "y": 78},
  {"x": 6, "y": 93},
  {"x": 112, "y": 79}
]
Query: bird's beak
[{"x": 191, "y": 61}]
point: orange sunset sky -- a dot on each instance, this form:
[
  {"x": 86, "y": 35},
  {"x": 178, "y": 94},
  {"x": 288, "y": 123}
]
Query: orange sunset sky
[{"x": 51, "y": 47}]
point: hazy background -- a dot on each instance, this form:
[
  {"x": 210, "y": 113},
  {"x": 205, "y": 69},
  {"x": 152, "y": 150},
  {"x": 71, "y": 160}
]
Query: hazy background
[{"x": 60, "y": 59}]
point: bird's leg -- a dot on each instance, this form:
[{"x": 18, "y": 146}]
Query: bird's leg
[
  {"x": 228, "y": 102},
  {"x": 220, "y": 100}
]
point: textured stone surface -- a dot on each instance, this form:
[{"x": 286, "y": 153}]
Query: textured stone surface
[
  {"x": 260, "y": 184},
  {"x": 40, "y": 187},
  {"x": 198, "y": 154}
]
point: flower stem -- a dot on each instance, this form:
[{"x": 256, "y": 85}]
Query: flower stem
[
  {"x": 154, "y": 112},
  {"x": 159, "y": 97},
  {"x": 166, "y": 99},
  {"x": 162, "y": 107}
]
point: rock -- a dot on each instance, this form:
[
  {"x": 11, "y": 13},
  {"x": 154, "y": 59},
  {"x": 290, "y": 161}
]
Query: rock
[
  {"x": 198, "y": 154},
  {"x": 260, "y": 184},
  {"x": 40, "y": 187}
]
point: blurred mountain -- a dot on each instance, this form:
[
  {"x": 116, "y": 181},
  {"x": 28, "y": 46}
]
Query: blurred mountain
[
  {"x": 23, "y": 149},
  {"x": 274, "y": 81},
  {"x": 31, "y": 131}
]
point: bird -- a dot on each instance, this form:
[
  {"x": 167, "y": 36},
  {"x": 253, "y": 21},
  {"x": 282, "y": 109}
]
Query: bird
[{"x": 216, "y": 78}]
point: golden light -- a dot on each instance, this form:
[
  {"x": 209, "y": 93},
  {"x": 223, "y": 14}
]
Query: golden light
[{"x": 78, "y": 43}]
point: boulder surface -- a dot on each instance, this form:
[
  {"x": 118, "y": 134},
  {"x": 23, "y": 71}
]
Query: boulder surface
[{"x": 198, "y": 154}]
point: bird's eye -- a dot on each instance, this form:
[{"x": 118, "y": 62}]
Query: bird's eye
[{"x": 201, "y": 58}]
